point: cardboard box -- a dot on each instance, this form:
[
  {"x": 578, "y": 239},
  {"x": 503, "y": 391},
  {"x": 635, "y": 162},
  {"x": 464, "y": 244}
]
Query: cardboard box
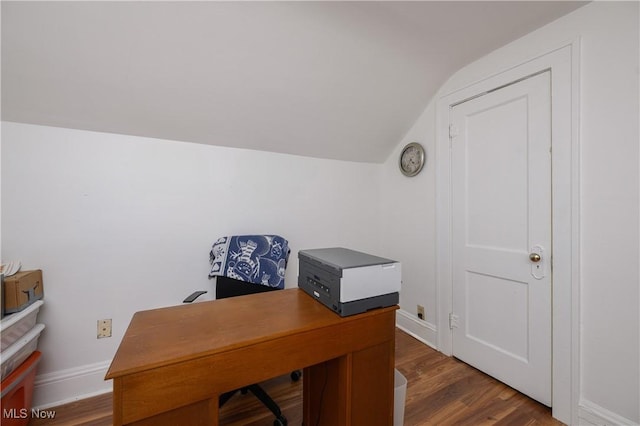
[{"x": 21, "y": 290}]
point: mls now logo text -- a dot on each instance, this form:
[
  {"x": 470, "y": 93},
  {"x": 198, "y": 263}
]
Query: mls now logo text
[{"x": 23, "y": 413}]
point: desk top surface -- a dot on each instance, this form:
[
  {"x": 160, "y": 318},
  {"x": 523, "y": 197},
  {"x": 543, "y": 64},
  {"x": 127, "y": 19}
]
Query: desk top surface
[{"x": 166, "y": 336}]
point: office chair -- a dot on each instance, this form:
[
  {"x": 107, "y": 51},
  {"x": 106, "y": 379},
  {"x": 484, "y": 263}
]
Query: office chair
[{"x": 259, "y": 261}]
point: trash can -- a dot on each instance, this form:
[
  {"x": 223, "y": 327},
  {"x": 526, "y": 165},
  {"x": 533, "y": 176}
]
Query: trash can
[{"x": 399, "y": 396}]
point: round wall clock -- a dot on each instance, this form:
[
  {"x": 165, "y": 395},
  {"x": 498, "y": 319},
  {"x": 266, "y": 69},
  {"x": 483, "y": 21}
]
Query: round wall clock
[{"x": 412, "y": 159}]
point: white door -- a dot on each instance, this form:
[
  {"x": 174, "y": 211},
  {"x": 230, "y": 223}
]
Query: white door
[{"x": 501, "y": 234}]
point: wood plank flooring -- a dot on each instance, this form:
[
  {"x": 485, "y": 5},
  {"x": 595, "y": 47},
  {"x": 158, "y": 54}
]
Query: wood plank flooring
[{"x": 440, "y": 391}]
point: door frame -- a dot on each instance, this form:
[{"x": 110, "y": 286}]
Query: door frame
[{"x": 563, "y": 63}]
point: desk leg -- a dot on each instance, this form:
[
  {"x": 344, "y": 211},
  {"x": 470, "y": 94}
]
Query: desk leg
[
  {"x": 353, "y": 390},
  {"x": 325, "y": 393},
  {"x": 117, "y": 402},
  {"x": 372, "y": 385}
]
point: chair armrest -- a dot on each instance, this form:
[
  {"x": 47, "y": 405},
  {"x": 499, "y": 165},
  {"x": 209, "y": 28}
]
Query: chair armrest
[{"x": 193, "y": 296}]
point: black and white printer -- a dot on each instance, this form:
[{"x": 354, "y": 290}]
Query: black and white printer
[{"x": 347, "y": 281}]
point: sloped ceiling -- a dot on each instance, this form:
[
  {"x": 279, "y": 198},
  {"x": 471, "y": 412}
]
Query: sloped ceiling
[{"x": 340, "y": 80}]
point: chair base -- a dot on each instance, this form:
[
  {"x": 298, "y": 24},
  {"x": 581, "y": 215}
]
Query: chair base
[{"x": 259, "y": 393}]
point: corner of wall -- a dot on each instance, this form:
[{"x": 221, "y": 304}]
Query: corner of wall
[
  {"x": 421, "y": 330},
  {"x": 590, "y": 414}
]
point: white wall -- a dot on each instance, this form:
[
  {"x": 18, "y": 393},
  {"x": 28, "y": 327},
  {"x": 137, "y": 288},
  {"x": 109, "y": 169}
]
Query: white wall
[
  {"x": 409, "y": 227},
  {"x": 609, "y": 210},
  {"x": 121, "y": 223}
]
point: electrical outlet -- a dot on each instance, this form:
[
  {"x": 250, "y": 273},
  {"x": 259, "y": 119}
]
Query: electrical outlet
[
  {"x": 421, "y": 312},
  {"x": 104, "y": 328}
]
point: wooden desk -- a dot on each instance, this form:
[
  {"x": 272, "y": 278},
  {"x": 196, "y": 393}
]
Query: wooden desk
[{"x": 173, "y": 363}]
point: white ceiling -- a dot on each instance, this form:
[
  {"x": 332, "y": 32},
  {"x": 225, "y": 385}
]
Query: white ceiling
[{"x": 341, "y": 80}]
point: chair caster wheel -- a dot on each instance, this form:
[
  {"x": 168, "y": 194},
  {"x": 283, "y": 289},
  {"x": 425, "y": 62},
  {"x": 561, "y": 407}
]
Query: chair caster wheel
[
  {"x": 295, "y": 376},
  {"x": 280, "y": 421}
]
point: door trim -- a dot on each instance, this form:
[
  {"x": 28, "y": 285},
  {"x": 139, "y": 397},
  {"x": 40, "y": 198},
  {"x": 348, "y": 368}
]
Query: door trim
[{"x": 563, "y": 63}]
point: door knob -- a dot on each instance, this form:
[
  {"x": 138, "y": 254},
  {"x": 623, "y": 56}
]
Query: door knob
[{"x": 534, "y": 257}]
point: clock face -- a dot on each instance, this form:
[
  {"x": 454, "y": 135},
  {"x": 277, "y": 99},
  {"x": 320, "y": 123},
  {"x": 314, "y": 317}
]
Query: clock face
[{"x": 412, "y": 159}]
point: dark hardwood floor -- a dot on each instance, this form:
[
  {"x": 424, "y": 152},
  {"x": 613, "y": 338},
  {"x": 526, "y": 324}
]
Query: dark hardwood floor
[{"x": 440, "y": 391}]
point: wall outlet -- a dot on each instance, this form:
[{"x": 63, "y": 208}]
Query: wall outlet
[
  {"x": 421, "y": 312},
  {"x": 104, "y": 328}
]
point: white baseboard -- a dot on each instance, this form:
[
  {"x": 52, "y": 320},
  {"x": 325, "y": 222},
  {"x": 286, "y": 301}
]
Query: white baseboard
[
  {"x": 421, "y": 330},
  {"x": 590, "y": 414},
  {"x": 62, "y": 387}
]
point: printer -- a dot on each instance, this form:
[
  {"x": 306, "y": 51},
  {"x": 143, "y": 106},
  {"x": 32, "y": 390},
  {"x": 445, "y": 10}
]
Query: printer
[{"x": 347, "y": 281}]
